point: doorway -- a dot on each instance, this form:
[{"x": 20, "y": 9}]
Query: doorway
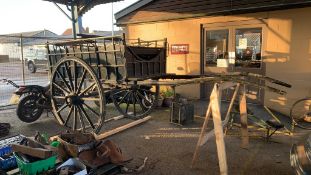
[{"x": 233, "y": 47}]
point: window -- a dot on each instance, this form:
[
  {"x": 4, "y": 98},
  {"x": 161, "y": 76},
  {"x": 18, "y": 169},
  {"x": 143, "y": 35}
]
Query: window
[
  {"x": 248, "y": 43},
  {"x": 216, "y": 46}
]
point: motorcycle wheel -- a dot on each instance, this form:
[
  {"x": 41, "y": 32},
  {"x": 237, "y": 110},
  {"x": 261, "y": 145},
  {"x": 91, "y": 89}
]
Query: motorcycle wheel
[{"x": 27, "y": 110}]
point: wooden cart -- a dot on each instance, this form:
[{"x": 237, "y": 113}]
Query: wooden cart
[{"x": 88, "y": 73}]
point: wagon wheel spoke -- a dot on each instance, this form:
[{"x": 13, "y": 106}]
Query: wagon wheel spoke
[
  {"x": 87, "y": 89},
  {"x": 128, "y": 103},
  {"x": 140, "y": 102},
  {"x": 75, "y": 76},
  {"x": 144, "y": 97},
  {"x": 63, "y": 79},
  {"x": 74, "y": 123},
  {"x": 87, "y": 106},
  {"x": 115, "y": 93},
  {"x": 86, "y": 116},
  {"x": 81, "y": 82},
  {"x": 60, "y": 88},
  {"x": 134, "y": 103},
  {"x": 90, "y": 99},
  {"x": 81, "y": 118},
  {"x": 59, "y": 97},
  {"x": 68, "y": 116},
  {"x": 62, "y": 108},
  {"x": 68, "y": 71},
  {"x": 123, "y": 98}
]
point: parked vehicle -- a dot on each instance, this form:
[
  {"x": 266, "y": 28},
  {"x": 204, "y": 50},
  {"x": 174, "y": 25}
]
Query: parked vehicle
[
  {"x": 35, "y": 58},
  {"x": 32, "y": 101}
]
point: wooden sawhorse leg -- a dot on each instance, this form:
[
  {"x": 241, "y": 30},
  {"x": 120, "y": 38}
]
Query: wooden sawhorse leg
[{"x": 243, "y": 119}]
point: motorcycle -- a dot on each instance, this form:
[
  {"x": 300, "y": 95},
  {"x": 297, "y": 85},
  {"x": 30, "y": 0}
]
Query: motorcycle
[{"x": 32, "y": 101}]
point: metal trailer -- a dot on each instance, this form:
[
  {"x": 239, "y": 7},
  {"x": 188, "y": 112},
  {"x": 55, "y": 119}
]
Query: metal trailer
[{"x": 88, "y": 73}]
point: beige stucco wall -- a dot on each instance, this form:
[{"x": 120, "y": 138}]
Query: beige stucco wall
[
  {"x": 289, "y": 55},
  {"x": 287, "y": 41}
]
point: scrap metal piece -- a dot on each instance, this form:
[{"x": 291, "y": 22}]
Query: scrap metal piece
[{"x": 300, "y": 157}]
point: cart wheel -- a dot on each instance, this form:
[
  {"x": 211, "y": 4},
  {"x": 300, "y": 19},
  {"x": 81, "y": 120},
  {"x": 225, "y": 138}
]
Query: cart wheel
[
  {"x": 300, "y": 114},
  {"x": 135, "y": 102},
  {"x": 74, "y": 89}
]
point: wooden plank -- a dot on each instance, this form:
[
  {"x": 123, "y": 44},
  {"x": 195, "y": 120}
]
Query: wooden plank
[
  {"x": 108, "y": 120},
  {"x": 226, "y": 85},
  {"x": 12, "y": 172},
  {"x": 243, "y": 118},
  {"x": 220, "y": 142},
  {"x": 231, "y": 104},
  {"x": 211, "y": 134},
  {"x": 180, "y": 82},
  {"x": 207, "y": 116},
  {"x": 35, "y": 152},
  {"x": 121, "y": 128}
]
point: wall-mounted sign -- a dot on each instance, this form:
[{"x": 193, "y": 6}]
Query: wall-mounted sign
[{"x": 179, "y": 48}]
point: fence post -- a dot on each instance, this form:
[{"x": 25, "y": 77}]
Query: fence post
[{"x": 22, "y": 57}]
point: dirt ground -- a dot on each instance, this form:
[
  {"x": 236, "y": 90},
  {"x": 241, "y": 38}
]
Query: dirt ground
[{"x": 170, "y": 148}]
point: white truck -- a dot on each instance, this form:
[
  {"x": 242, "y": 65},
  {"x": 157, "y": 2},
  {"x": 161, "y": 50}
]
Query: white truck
[{"x": 35, "y": 57}]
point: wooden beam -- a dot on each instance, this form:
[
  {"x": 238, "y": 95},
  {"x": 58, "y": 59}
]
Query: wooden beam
[
  {"x": 237, "y": 88},
  {"x": 243, "y": 118},
  {"x": 211, "y": 134},
  {"x": 121, "y": 128},
  {"x": 226, "y": 85},
  {"x": 207, "y": 116},
  {"x": 220, "y": 142}
]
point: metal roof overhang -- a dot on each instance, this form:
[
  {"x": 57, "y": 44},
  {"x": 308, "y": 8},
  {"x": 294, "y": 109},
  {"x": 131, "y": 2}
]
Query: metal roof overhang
[
  {"x": 78, "y": 8},
  {"x": 83, "y": 5},
  {"x": 82, "y": 2}
]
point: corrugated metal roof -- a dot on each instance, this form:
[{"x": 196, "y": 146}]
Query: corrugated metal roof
[
  {"x": 82, "y": 2},
  {"x": 194, "y": 9},
  {"x": 15, "y": 37},
  {"x": 83, "y": 5}
]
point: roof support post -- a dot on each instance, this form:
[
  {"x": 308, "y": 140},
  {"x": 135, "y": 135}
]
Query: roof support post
[{"x": 76, "y": 20}]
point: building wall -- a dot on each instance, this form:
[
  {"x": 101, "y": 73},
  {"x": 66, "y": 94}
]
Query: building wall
[
  {"x": 10, "y": 49},
  {"x": 286, "y": 53},
  {"x": 289, "y": 55}
]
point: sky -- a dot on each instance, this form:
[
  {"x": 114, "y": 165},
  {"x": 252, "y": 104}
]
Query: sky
[{"x": 32, "y": 15}]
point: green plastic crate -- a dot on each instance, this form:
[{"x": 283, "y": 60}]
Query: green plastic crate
[{"x": 35, "y": 167}]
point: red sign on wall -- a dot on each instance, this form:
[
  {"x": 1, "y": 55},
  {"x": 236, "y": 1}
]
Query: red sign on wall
[{"x": 179, "y": 48}]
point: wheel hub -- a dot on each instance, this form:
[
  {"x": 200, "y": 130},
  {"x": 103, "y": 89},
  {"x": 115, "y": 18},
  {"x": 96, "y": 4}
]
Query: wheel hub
[{"x": 73, "y": 99}]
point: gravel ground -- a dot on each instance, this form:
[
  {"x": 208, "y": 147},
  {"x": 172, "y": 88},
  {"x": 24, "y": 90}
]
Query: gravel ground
[{"x": 169, "y": 147}]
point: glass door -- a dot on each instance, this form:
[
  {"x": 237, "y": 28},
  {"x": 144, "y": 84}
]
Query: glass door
[
  {"x": 216, "y": 46},
  {"x": 235, "y": 48}
]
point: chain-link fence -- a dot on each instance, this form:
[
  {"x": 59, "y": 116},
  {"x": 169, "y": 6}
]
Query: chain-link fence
[{"x": 23, "y": 60}]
